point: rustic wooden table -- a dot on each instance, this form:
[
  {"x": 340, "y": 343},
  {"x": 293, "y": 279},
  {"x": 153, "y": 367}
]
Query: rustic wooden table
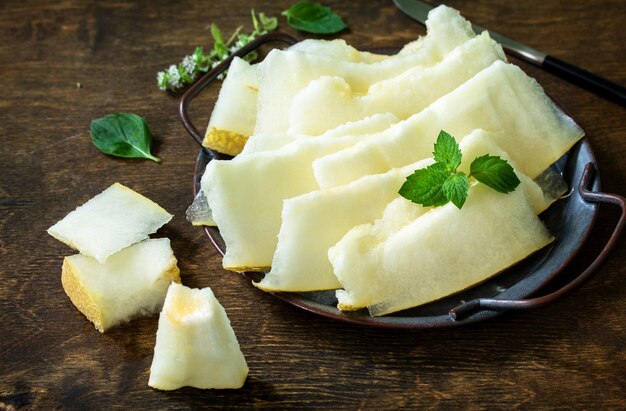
[{"x": 63, "y": 64}]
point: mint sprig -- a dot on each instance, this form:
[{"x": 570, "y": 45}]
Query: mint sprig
[
  {"x": 441, "y": 183},
  {"x": 178, "y": 76}
]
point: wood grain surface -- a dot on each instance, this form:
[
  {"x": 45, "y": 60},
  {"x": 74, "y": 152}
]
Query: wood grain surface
[{"x": 65, "y": 63}]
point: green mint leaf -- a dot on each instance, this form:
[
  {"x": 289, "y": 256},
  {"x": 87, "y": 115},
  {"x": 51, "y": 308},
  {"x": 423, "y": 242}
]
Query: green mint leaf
[
  {"x": 455, "y": 189},
  {"x": 123, "y": 135},
  {"x": 447, "y": 151},
  {"x": 313, "y": 18},
  {"x": 255, "y": 22},
  {"x": 425, "y": 186},
  {"x": 495, "y": 173}
]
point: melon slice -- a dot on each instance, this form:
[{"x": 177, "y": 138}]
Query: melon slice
[
  {"x": 337, "y": 49},
  {"x": 314, "y": 222},
  {"x": 284, "y": 73},
  {"x": 234, "y": 115},
  {"x": 329, "y": 101},
  {"x": 444, "y": 251},
  {"x": 501, "y": 99},
  {"x": 109, "y": 222},
  {"x": 131, "y": 283},
  {"x": 273, "y": 141},
  {"x": 199, "y": 212},
  {"x": 195, "y": 344},
  {"x": 246, "y": 194}
]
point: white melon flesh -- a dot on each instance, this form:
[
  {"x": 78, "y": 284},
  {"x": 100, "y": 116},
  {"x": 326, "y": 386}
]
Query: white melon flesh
[
  {"x": 109, "y": 222},
  {"x": 284, "y": 73},
  {"x": 199, "y": 212},
  {"x": 500, "y": 99},
  {"x": 246, "y": 195},
  {"x": 273, "y": 141},
  {"x": 234, "y": 115},
  {"x": 195, "y": 344},
  {"x": 330, "y": 101},
  {"x": 337, "y": 49},
  {"x": 131, "y": 283},
  {"x": 442, "y": 252},
  {"x": 314, "y": 222}
]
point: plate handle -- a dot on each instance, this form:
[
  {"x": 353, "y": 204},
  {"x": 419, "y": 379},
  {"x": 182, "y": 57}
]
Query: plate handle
[
  {"x": 206, "y": 79},
  {"x": 464, "y": 310}
]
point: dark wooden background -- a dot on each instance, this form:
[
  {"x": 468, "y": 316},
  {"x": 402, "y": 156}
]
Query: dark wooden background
[{"x": 570, "y": 355}]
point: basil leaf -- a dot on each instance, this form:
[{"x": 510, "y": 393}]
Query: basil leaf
[
  {"x": 447, "y": 151},
  {"x": 122, "y": 135},
  {"x": 455, "y": 189},
  {"x": 425, "y": 186},
  {"x": 495, "y": 173},
  {"x": 313, "y": 18}
]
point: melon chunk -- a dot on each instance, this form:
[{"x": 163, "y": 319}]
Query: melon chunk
[
  {"x": 195, "y": 344},
  {"x": 246, "y": 195},
  {"x": 234, "y": 115},
  {"x": 500, "y": 99},
  {"x": 337, "y": 49},
  {"x": 444, "y": 251},
  {"x": 330, "y": 101},
  {"x": 273, "y": 141},
  {"x": 199, "y": 212},
  {"x": 315, "y": 221},
  {"x": 109, "y": 222},
  {"x": 131, "y": 283},
  {"x": 284, "y": 73}
]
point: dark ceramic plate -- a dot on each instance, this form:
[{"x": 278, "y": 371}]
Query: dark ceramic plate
[{"x": 570, "y": 220}]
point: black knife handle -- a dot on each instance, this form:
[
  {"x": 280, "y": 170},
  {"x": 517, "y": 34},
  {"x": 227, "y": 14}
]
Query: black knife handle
[{"x": 592, "y": 82}]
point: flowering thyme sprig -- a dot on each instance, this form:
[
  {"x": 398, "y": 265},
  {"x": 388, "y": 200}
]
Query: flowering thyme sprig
[{"x": 175, "y": 77}]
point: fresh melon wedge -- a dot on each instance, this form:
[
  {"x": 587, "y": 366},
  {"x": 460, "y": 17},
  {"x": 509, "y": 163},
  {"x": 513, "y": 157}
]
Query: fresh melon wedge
[
  {"x": 131, "y": 283},
  {"x": 246, "y": 194},
  {"x": 109, "y": 222},
  {"x": 315, "y": 221},
  {"x": 330, "y": 101},
  {"x": 234, "y": 115},
  {"x": 337, "y": 49},
  {"x": 284, "y": 73},
  {"x": 199, "y": 212},
  {"x": 444, "y": 251},
  {"x": 195, "y": 344},
  {"x": 501, "y": 99},
  {"x": 273, "y": 141}
]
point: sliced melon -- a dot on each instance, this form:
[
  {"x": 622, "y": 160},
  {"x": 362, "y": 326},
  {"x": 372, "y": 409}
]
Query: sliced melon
[
  {"x": 442, "y": 252},
  {"x": 315, "y": 221},
  {"x": 234, "y": 115},
  {"x": 246, "y": 194},
  {"x": 195, "y": 344},
  {"x": 109, "y": 222},
  {"x": 337, "y": 49},
  {"x": 199, "y": 212},
  {"x": 284, "y": 73},
  {"x": 329, "y": 101},
  {"x": 131, "y": 283},
  {"x": 273, "y": 141},
  {"x": 501, "y": 99}
]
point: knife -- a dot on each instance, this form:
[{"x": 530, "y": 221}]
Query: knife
[{"x": 575, "y": 75}]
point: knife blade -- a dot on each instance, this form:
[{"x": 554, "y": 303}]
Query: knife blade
[{"x": 418, "y": 10}]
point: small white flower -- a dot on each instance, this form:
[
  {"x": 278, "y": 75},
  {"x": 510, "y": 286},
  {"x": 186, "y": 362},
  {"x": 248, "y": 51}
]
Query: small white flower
[
  {"x": 161, "y": 80},
  {"x": 174, "y": 79},
  {"x": 190, "y": 66}
]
